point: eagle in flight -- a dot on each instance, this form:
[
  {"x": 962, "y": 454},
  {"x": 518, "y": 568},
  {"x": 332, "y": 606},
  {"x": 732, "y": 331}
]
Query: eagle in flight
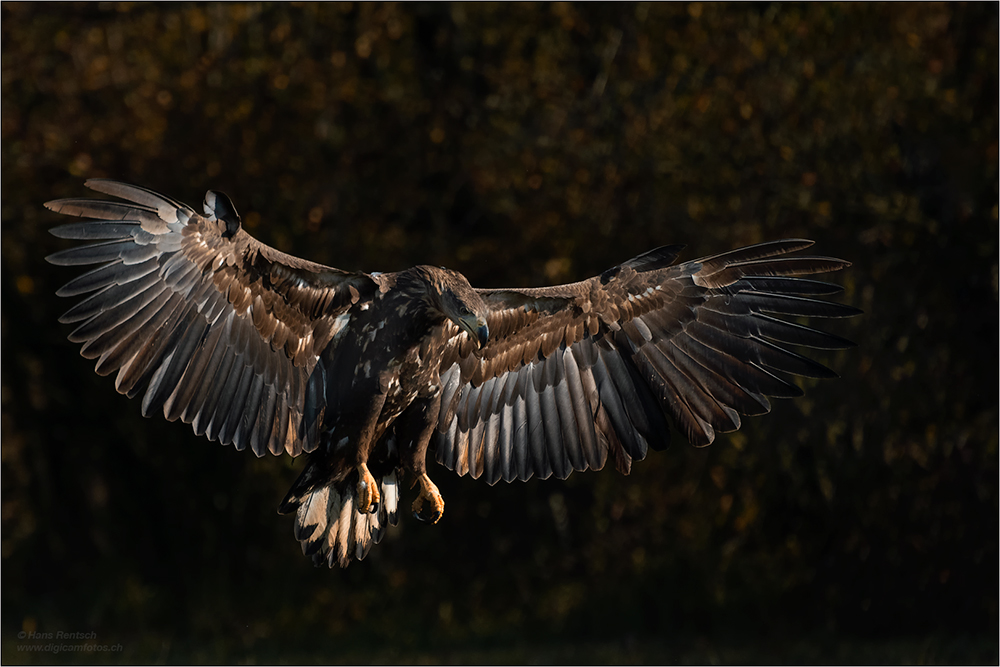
[{"x": 364, "y": 371}]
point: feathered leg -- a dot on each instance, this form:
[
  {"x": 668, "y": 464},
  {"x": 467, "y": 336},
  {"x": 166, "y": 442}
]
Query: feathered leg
[
  {"x": 421, "y": 419},
  {"x": 367, "y": 490}
]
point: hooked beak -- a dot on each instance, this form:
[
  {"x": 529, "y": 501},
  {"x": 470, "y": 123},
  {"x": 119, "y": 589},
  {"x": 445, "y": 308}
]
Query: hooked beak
[{"x": 477, "y": 329}]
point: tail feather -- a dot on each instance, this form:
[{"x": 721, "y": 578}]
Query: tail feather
[{"x": 329, "y": 527}]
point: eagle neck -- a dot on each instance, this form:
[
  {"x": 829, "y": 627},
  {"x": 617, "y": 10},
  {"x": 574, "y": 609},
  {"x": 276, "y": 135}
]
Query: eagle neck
[{"x": 415, "y": 306}]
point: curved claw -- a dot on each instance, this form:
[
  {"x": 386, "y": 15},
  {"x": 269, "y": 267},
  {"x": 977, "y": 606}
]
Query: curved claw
[
  {"x": 367, "y": 492},
  {"x": 428, "y": 493},
  {"x": 432, "y": 518}
]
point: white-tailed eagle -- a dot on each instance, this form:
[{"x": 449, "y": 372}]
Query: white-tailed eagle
[{"x": 363, "y": 371}]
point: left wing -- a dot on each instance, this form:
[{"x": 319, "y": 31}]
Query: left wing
[{"x": 577, "y": 373}]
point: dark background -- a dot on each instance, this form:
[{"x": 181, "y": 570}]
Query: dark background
[{"x": 526, "y": 145}]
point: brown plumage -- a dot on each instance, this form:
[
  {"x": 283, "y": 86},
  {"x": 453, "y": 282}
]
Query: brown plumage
[{"x": 265, "y": 351}]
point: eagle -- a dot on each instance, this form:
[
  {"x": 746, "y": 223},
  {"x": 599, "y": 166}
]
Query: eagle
[{"x": 366, "y": 372}]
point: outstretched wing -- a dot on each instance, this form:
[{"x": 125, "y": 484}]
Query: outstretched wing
[
  {"x": 576, "y": 373},
  {"x": 219, "y": 330}
]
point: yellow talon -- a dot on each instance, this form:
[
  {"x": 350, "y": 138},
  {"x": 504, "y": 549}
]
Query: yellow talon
[
  {"x": 368, "y": 495},
  {"x": 429, "y": 493}
]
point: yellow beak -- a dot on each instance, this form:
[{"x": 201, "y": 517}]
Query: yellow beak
[{"x": 476, "y": 328}]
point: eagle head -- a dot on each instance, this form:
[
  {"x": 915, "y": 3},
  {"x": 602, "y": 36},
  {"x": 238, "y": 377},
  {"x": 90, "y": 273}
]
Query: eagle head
[{"x": 451, "y": 294}]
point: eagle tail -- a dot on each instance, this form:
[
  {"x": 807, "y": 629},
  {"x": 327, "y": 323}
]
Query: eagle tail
[{"x": 327, "y": 522}]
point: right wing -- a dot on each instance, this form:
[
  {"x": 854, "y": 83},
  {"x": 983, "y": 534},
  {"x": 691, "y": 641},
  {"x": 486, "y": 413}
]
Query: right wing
[{"x": 219, "y": 330}]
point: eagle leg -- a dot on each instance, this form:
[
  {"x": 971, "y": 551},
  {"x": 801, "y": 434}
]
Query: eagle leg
[
  {"x": 368, "y": 495},
  {"x": 428, "y": 493}
]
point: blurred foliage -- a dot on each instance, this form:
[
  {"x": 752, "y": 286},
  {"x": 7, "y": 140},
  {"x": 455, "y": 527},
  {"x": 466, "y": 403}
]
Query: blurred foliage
[{"x": 523, "y": 145}]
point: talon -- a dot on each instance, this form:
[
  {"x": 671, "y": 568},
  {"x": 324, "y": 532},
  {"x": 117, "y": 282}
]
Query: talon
[
  {"x": 368, "y": 495},
  {"x": 428, "y": 493}
]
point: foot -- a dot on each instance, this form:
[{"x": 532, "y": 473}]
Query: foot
[
  {"x": 368, "y": 496},
  {"x": 428, "y": 494}
]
